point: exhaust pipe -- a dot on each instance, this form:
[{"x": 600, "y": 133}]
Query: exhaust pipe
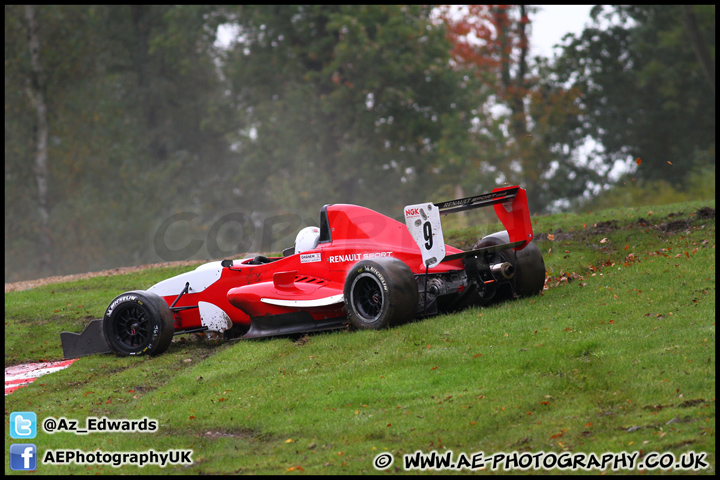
[{"x": 505, "y": 270}]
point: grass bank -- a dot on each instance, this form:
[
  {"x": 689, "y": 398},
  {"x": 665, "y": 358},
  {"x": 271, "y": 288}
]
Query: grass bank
[{"x": 618, "y": 354}]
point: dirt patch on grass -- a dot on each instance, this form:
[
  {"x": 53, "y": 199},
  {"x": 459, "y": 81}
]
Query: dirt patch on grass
[
  {"x": 25, "y": 285},
  {"x": 230, "y": 433},
  {"x": 675, "y": 225},
  {"x": 692, "y": 403},
  {"x": 706, "y": 212},
  {"x": 223, "y": 432}
]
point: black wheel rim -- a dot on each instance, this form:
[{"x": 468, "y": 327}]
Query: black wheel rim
[
  {"x": 132, "y": 327},
  {"x": 367, "y": 297}
]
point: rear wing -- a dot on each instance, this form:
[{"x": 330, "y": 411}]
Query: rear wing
[{"x": 510, "y": 203}]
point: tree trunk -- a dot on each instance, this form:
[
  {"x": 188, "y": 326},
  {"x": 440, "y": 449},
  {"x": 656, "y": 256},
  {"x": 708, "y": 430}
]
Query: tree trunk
[
  {"x": 513, "y": 88},
  {"x": 519, "y": 108},
  {"x": 147, "y": 74},
  {"x": 701, "y": 50},
  {"x": 36, "y": 91}
]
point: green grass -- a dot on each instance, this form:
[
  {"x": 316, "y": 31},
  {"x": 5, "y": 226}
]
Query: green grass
[{"x": 618, "y": 354}]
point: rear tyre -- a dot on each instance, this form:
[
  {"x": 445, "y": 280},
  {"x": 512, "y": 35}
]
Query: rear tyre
[
  {"x": 380, "y": 293},
  {"x": 138, "y": 323},
  {"x": 529, "y": 271},
  {"x": 528, "y": 263},
  {"x": 504, "y": 292}
]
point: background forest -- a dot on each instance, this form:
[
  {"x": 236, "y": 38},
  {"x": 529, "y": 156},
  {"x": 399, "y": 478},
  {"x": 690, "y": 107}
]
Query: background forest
[{"x": 133, "y": 135}]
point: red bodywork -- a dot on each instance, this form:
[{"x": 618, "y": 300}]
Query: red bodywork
[{"x": 304, "y": 281}]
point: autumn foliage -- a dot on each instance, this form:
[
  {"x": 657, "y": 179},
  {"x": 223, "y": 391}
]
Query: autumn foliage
[{"x": 485, "y": 35}]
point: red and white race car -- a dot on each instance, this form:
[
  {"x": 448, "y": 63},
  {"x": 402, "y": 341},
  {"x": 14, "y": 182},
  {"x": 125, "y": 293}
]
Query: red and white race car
[{"x": 358, "y": 267}]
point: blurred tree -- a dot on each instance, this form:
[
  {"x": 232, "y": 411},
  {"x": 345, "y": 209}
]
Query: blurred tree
[
  {"x": 515, "y": 130},
  {"x": 492, "y": 40},
  {"x": 645, "y": 90},
  {"x": 699, "y": 44},
  {"x": 344, "y": 104},
  {"x": 36, "y": 92},
  {"x": 137, "y": 124}
]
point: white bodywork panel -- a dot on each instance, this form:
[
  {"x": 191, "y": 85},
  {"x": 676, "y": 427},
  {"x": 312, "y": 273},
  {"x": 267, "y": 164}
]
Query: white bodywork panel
[
  {"x": 199, "y": 279},
  {"x": 214, "y": 317},
  {"x": 423, "y": 223},
  {"x": 320, "y": 302}
]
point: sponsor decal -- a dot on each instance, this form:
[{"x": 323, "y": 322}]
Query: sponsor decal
[
  {"x": 356, "y": 257},
  {"x": 353, "y": 257},
  {"x": 479, "y": 198},
  {"x": 379, "y": 276},
  {"x": 310, "y": 257},
  {"x": 118, "y": 301},
  {"x": 412, "y": 212}
]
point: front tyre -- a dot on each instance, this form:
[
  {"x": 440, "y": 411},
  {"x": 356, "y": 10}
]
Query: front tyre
[
  {"x": 138, "y": 323},
  {"x": 380, "y": 293}
]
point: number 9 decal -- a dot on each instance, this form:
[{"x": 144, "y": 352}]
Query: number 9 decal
[
  {"x": 427, "y": 232},
  {"x": 423, "y": 223}
]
